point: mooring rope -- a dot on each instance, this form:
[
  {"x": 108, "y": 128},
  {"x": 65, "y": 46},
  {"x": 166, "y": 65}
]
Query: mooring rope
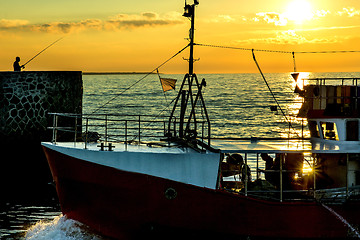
[
  {"x": 241, "y": 48},
  {"x": 149, "y": 73},
  {"x": 275, "y": 51},
  {"x": 293, "y": 54},
  {"x": 273, "y": 95},
  {"x": 226, "y": 47},
  {"x": 253, "y": 50}
]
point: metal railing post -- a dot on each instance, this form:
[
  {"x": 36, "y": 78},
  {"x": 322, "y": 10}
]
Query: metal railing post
[
  {"x": 281, "y": 177},
  {"x": 289, "y": 129},
  {"x": 209, "y": 136},
  {"x": 174, "y": 127},
  {"x": 106, "y": 128},
  {"x": 314, "y": 174},
  {"x": 86, "y": 132},
  {"x": 126, "y": 135},
  {"x": 246, "y": 175},
  {"x": 164, "y": 128},
  {"x": 202, "y": 136},
  {"x": 347, "y": 176},
  {"x": 139, "y": 129},
  {"x": 53, "y": 130},
  {"x": 55, "y": 125},
  {"x": 75, "y": 135},
  {"x": 257, "y": 166}
]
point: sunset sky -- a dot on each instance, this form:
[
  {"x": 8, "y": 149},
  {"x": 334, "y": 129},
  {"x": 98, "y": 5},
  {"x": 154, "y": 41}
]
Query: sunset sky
[{"x": 138, "y": 35}]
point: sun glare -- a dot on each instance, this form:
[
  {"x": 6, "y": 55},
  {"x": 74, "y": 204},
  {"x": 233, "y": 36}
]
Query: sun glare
[
  {"x": 299, "y": 11},
  {"x": 301, "y": 80}
]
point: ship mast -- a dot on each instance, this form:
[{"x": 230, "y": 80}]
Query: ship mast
[
  {"x": 189, "y": 105},
  {"x": 190, "y": 13}
]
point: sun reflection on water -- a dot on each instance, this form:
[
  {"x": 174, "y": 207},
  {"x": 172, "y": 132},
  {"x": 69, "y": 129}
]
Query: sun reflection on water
[{"x": 294, "y": 106}]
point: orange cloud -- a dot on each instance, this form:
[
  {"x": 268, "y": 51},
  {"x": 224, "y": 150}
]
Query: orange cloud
[
  {"x": 12, "y": 23},
  {"x": 350, "y": 12},
  {"x": 121, "y": 21},
  {"x": 289, "y": 37},
  {"x": 143, "y": 20},
  {"x": 272, "y": 17}
]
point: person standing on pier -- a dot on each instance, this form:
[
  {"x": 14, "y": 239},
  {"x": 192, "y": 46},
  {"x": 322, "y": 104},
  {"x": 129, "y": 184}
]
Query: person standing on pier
[{"x": 17, "y": 67}]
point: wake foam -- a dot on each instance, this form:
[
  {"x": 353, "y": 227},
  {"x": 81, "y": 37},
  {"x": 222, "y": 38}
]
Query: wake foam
[{"x": 61, "y": 228}]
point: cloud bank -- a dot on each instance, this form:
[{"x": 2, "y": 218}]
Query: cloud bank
[
  {"x": 118, "y": 22},
  {"x": 282, "y": 19},
  {"x": 271, "y": 17},
  {"x": 350, "y": 12}
]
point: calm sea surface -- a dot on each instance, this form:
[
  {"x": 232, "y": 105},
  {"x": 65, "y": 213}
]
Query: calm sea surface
[{"x": 238, "y": 106}]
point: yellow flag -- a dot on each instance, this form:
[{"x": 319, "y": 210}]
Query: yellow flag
[{"x": 167, "y": 84}]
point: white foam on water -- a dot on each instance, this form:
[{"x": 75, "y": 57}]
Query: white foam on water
[
  {"x": 346, "y": 223},
  {"x": 61, "y": 228}
]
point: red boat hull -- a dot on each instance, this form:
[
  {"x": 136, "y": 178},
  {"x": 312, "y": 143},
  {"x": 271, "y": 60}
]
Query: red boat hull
[{"x": 126, "y": 205}]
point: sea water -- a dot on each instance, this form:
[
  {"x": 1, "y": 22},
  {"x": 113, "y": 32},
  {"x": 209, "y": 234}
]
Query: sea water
[{"x": 238, "y": 106}]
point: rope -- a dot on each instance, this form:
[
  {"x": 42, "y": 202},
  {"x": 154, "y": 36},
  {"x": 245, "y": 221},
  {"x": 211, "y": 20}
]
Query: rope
[
  {"x": 241, "y": 48},
  {"x": 219, "y": 46},
  {"x": 157, "y": 71},
  {"x": 275, "y": 51},
  {"x": 132, "y": 85},
  {"x": 273, "y": 95},
  {"x": 344, "y": 51},
  {"x": 293, "y": 54}
]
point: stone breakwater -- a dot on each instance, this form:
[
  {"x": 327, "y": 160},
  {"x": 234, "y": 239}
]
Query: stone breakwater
[{"x": 26, "y": 98}]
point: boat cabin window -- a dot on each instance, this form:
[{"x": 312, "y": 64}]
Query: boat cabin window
[
  {"x": 314, "y": 129},
  {"x": 352, "y": 130},
  {"x": 329, "y": 131}
]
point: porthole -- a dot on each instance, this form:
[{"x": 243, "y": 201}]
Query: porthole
[{"x": 170, "y": 193}]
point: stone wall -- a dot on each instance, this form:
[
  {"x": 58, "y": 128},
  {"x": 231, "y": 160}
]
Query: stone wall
[{"x": 26, "y": 98}]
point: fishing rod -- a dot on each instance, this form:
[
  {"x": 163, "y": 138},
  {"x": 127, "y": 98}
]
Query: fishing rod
[{"x": 42, "y": 51}]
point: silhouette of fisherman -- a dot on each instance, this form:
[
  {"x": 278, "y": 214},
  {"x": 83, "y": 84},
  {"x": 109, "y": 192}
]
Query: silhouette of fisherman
[{"x": 17, "y": 67}]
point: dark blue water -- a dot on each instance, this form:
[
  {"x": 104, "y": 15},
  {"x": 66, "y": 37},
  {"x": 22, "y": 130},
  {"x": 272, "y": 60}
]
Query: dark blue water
[{"x": 238, "y": 106}]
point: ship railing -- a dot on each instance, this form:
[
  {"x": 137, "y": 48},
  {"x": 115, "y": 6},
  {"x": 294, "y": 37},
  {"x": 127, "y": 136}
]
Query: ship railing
[
  {"x": 302, "y": 186},
  {"x": 112, "y": 128},
  {"x": 348, "y": 90},
  {"x": 353, "y": 81},
  {"x": 335, "y": 195},
  {"x": 335, "y": 96}
]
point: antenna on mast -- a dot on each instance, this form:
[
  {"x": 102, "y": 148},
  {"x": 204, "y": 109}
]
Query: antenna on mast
[
  {"x": 184, "y": 127},
  {"x": 189, "y": 12}
]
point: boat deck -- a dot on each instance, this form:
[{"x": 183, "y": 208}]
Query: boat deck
[
  {"x": 283, "y": 146},
  {"x": 152, "y": 147},
  {"x": 299, "y": 164},
  {"x": 226, "y": 146}
]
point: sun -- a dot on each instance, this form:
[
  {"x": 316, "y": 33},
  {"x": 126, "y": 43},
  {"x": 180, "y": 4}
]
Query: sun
[{"x": 299, "y": 11}]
